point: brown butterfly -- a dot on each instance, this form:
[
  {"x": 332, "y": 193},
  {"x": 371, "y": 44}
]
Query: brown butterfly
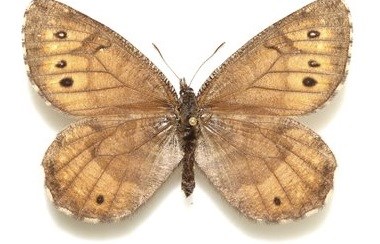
[{"x": 134, "y": 129}]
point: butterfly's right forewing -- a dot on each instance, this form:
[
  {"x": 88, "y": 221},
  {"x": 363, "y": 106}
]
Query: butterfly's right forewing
[{"x": 291, "y": 68}]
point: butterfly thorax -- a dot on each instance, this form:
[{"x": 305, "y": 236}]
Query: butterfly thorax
[{"x": 188, "y": 129}]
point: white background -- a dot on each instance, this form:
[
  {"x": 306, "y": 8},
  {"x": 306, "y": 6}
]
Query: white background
[{"x": 187, "y": 32}]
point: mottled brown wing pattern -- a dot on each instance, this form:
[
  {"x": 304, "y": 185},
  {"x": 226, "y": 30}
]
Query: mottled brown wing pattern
[
  {"x": 269, "y": 168},
  {"x": 291, "y": 68},
  {"x": 103, "y": 169},
  {"x": 84, "y": 68}
]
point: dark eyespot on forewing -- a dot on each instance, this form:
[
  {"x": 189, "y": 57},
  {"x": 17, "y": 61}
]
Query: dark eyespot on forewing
[
  {"x": 314, "y": 64},
  {"x": 309, "y": 82},
  {"x": 67, "y": 82},
  {"x": 313, "y": 34},
  {"x": 61, "y": 34}
]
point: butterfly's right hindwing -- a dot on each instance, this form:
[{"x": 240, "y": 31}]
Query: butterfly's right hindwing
[{"x": 271, "y": 169}]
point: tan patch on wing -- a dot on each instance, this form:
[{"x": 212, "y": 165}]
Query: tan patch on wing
[
  {"x": 269, "y": 168},
  {"x": 291, "y": 68},
  {"x": 94, "y": 174}
]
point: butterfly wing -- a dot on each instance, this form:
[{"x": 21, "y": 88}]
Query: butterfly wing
[
  {"x": 84, "y": 68},
  {"x": 291, "y": 68},
  {"x": 103, "y": 169},
  {"x": 273, "y": 168},
  {"x": 100, "y": 169},
  {"x": 269, "y": 168}
]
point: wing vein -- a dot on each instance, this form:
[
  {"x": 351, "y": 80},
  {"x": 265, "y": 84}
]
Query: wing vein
[
  {"x": 290, "y": 91},
  {"x": 152, "y": 95},
  {"x": 306, "y": 28},
  {"x": 162, "y": 142},
  {"x": 125, "y": 171},
  {"x": 87, "y": 198},
  {"x": 87, "y": 90},
  {"x": 300, "y": 71},
  {"x": 285, "y": 136},
  {"x": 224, "y": 152},
  {"x": 306, "y": 184},
  {"x": 248, "y": 166},
  {"x": 71, "y": 72},
  {"x": 212, "y": 131},
  {"x": 91, "y": 145},
  {"x": 57, "y": 27},
  {"x": 63, "y": 192}
]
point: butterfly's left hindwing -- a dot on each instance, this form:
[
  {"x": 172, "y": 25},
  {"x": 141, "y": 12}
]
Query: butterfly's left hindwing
[{"x": 103, "y": 169}]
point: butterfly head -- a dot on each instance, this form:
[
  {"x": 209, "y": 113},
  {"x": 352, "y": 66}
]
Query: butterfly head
[{"x": 185, "y": 89}]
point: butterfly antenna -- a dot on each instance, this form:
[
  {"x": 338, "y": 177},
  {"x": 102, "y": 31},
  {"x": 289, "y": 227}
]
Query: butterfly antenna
[
  {"x": 159, "y": 52},
  {"x": 204, "y": 62}
]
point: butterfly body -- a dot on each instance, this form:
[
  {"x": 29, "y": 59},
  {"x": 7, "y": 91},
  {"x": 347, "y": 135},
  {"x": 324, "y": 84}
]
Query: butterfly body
[
  {"x": 126, "y": 143},
  {"x": 188, "y": 128}
]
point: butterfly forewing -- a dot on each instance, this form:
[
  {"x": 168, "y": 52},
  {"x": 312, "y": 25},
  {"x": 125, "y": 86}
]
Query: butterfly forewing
[
  {"x": 291, "y": 68},
  {"x": 84, "y": 68}
]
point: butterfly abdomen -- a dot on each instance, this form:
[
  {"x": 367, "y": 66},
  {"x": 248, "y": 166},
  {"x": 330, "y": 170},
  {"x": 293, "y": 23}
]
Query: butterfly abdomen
[{"x": 188, "y": 131}]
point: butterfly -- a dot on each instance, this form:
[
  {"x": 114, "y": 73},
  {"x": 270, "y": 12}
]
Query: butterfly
[{"x": 134, "y": 130}]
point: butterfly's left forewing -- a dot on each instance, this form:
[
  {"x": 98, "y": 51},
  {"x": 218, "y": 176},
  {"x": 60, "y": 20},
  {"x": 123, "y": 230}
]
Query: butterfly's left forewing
[{"x": 84, "y": 68}]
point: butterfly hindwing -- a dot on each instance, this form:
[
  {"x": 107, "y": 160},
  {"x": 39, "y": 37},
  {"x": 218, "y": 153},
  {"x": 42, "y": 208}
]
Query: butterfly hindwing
[
  {"x": 103, "y": 169},
  {"x": 269, "y": 168}
]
